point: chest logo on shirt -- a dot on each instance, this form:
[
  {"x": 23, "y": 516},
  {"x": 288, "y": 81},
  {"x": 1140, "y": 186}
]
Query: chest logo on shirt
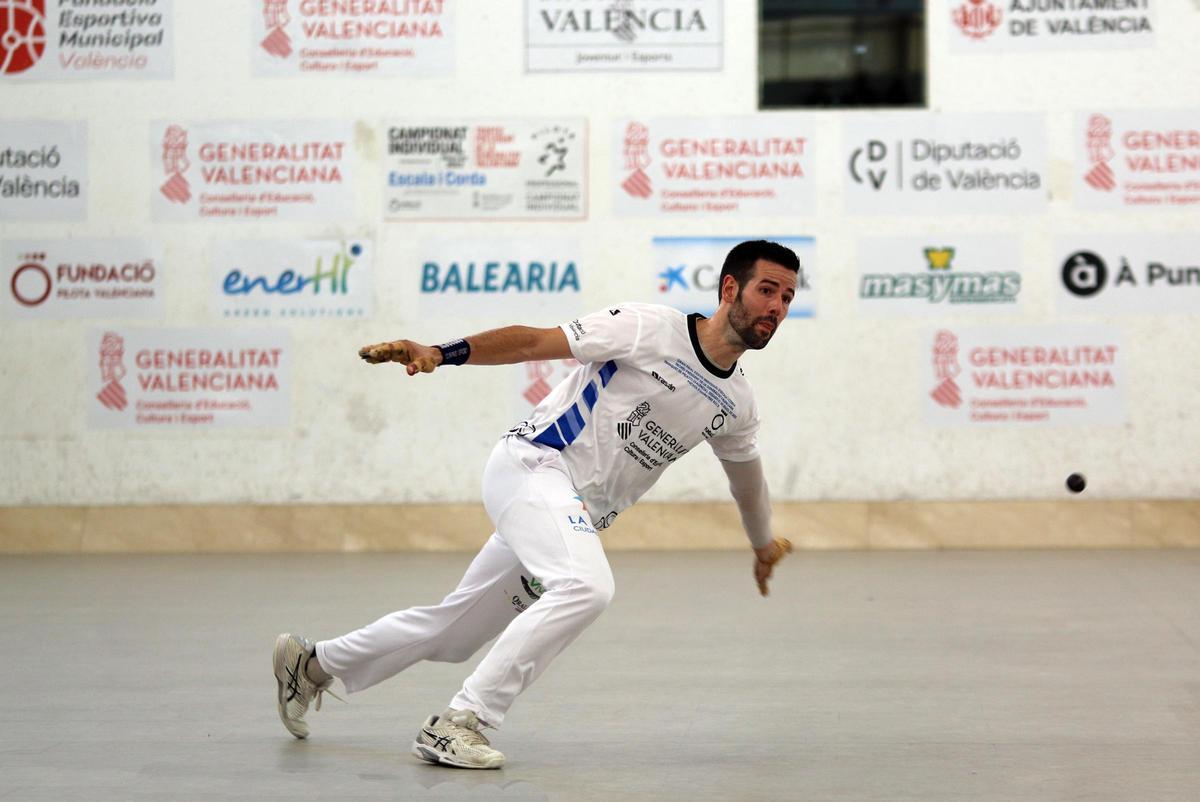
[
  {"x": 715, "y": 427},
  {"x": 662, "y": 381},
  {"x": 632, "y": 420}
]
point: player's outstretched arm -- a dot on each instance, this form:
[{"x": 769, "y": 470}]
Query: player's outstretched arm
[{"x": 505, "y": 346}]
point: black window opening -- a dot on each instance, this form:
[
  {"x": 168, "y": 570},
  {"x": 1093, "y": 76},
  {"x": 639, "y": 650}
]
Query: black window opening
[{"x": 841, "y": 53}]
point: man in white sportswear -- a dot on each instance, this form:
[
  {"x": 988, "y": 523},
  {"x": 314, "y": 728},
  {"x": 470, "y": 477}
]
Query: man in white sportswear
[{"x": 652, "y": 384}]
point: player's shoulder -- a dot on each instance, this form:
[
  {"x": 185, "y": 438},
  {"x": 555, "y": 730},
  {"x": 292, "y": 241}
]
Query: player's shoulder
[{"x": 646, "y": 311}]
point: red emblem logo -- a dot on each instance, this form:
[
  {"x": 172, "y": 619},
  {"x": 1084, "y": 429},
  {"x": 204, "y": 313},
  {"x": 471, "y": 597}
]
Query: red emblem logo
[
  {"x": 945, "y": 368},
  {"x": 22, "y": 34},
  {"x": 1100, "y": 153},
  {"x": 977, "y": 18},
  {"x": 277, "y": 43},
  {"x": 637, "y": 159},
  {"x": 175, "y": 164},
  {"x": 31, "y": 284},
  {"x": 112, "y": 370}
]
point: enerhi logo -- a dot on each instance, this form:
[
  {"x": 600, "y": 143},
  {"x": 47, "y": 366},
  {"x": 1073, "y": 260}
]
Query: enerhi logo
[
  {"x": 333, "y": 277},
  {"x": 22, "y": 34}
]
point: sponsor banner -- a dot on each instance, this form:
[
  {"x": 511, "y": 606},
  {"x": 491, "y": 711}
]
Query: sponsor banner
[
  {"x": 43, "y": 170},
  {"x": 1142, "y": 273},
  {"x": 481, "y": 170},
  {"x": 937, "y": 275},
  {"x": 714, "y": 166},
  {"x": 293, "y": 278},
  {"x": 687, "y": 272},
  {"x": 503, "y": 278},
  {"x": 67, "y": 40},
  {"x": 533, "y": 381},
  {"x": 641, "y": 35},
  {"x": 358, "y": 37},
  {"x": 931, "y": 163},
  {"x": 252, "y": 171},
  {"x": 1137, "y": 159},
  {"x": 81, "y": 278},
  {"x": 1023, "y": 375},
  {"x": 995, "y": 26},
  {"x": 141, "y": 378}
]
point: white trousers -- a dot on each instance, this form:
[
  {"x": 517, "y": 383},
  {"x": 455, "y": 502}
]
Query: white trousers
[{"x": 540, "y": 579}]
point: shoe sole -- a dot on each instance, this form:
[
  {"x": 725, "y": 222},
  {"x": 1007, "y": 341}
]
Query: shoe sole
[
  {"x": 431, "y": 755},
  {"x": 277, "y": 659}
]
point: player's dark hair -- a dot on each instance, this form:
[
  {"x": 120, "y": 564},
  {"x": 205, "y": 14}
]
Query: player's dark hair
[{"x": 740, "y": 261}]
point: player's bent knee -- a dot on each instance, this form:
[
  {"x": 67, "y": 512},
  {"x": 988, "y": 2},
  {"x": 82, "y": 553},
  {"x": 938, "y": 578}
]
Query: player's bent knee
[{"x": 595, "y": 595}]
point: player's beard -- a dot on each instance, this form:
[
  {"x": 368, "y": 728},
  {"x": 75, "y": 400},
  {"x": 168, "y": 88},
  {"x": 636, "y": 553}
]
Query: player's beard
[{"x": 745, "y": 325}]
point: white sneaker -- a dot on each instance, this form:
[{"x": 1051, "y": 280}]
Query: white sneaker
[
  {"x": 454, "y": 739},
  {"x": 296, "y": 690}
]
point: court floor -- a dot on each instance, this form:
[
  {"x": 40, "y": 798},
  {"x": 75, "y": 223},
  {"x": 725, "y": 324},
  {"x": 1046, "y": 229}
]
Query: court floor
[{"x": 890, "y": 676}]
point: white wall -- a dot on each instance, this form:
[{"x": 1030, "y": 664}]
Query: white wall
[{"x": 838, "y": 394}]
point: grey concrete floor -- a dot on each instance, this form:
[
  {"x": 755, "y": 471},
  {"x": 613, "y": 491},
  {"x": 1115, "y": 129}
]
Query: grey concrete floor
[{"x": 865, "y": 676}]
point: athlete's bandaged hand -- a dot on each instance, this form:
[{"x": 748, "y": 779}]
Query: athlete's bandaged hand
[
  {"x": 765, "y": 559},
  {"x": 418, "y": 358}
]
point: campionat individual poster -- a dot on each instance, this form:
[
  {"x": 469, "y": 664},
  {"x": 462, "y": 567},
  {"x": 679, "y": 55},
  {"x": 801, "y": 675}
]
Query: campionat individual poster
[
  {"x": 71, "y": 40},
  {"x": 352, "y": 39},
  {"x": 498, "y": 169},
  {"x": 714, "y": 166},
  {"x": 153, "y": 379},
  {"x": 625, "y": 35},
  {"x": 1020, "y": 376},
  {"x": 252, "y": 171}
]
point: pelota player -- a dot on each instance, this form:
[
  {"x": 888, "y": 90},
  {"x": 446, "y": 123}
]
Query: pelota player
[{"x": 652, "y": 384}]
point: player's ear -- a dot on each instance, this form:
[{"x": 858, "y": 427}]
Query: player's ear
[{"x": 729, "y": 289}]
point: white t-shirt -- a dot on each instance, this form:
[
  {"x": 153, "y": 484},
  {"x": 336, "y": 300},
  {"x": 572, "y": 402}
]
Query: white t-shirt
[{"x": 643, "y": 396}]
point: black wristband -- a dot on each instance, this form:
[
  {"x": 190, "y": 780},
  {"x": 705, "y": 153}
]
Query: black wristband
[{"x": 456, "y": 352}]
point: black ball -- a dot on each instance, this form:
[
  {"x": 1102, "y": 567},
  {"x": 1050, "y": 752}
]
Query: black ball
[{"x": 1076, "y": 482}]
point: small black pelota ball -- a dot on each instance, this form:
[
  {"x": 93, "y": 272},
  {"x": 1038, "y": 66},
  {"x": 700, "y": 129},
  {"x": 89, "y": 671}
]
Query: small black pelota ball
[{"x": 1076, "y": 482}]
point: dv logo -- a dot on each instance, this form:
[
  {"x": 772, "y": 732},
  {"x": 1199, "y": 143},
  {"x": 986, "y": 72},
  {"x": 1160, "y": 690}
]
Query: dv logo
[{"x": 866, "y": 164}]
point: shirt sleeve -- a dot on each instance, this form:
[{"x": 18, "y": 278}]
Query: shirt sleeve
[
  {"x": 741, "y": 443},
  {"x": 608, "y": 334}
]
